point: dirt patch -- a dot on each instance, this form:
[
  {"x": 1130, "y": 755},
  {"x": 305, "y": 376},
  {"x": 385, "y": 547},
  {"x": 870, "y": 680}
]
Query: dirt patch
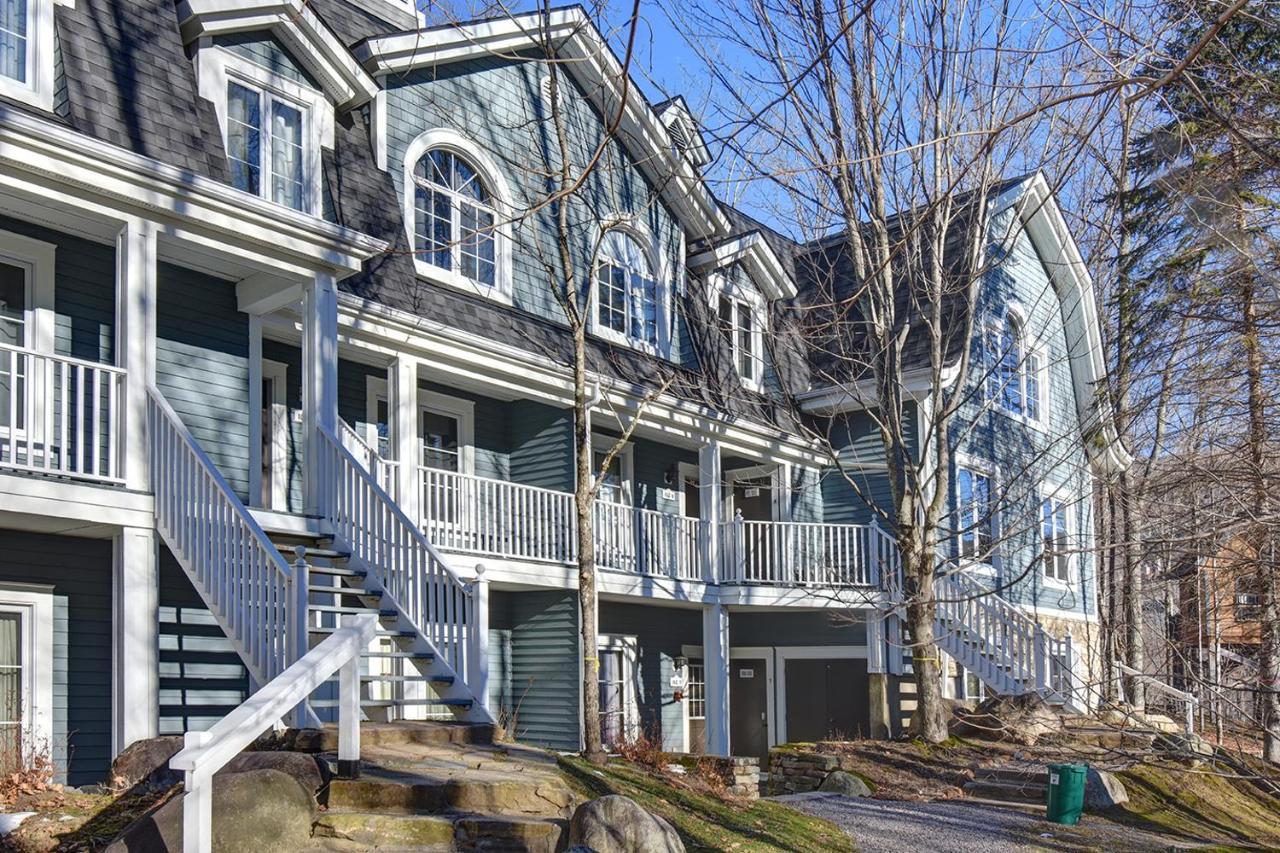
[{"x": 72, "y": 821}]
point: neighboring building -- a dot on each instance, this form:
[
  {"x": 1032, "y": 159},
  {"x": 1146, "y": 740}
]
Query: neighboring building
[{"x": 263, "y": 284}]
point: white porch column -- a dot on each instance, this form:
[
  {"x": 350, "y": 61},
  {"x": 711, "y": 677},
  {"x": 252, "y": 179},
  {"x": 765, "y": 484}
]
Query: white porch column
[
  {"x": 711, "y": 495},
  {"x": 403, "y": 402},
  {"x": 135, "y": 342},
  {"x": 715, "y": 660},
  {"x": 319, "y": 373},
  {"x": 135, "y": 587}
]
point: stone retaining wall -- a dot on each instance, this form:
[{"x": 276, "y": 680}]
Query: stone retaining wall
[
  {"x": 740, "y": 775},
  {"x": 792, "y": 771}
]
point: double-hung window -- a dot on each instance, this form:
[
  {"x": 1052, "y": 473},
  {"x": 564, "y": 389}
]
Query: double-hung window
[
  {"x": 455, "y": 223},
  {"x": 265, "y": 145},
  {"x": 1056, "y": 539},
  {"x": 975, "y": 510},
  {"x": 741, "y": 327},
  {"x": 627, "y": 293},
  {"x": 1014, "y": 369}
]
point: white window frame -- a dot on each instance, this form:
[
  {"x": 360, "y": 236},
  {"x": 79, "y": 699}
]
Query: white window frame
[
  {"x": 278, "y": 373},
  {"x": 742, "y": 297},
  {"x": 37, "y": 89},
  {"x": 479, "y": 159},
  {"x": 648, "y": 244},
  {"x": 34, "y": 603},
  {"x": 990, "y": 369},
  {"x": 982, "y": 467},
  {"x": 601, "y": 443},
  {"x": 1059, "y": 495},
  {"x": 217, "y": 67},
  {"x": 628, "y": 646},
  {"x": 37, "y": 258},
  {"x": 464, "y": 411}
]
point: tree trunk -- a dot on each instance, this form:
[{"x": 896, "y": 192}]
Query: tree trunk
[
  {"x": 929, "y": 722},
  {"x": 1134, "y": 653},
  {"x": 583, "y": 501}
]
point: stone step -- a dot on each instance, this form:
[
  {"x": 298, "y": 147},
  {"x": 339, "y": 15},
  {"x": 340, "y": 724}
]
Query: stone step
[
  {"x": 424, "y": 832},
  {"x": 401, "y": 733},
  {"x": 391, "y": 793}
]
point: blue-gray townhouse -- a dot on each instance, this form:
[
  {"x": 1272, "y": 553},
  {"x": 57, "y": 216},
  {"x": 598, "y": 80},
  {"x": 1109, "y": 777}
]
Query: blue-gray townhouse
[{"x": 279, "y": 342}]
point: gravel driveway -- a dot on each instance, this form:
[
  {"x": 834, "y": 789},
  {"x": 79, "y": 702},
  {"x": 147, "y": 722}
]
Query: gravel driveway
[{"x": 953, "y": 826}]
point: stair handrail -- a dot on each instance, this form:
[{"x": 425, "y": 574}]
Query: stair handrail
[
  {"x": 205, "y": 753},
  {"x": 436, "y": 600},
  {"x": 1189, "y": 700},
  {"x": 208, "y": 529}
]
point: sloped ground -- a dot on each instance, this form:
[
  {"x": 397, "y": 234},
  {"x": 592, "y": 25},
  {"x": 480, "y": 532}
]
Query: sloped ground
[{"x": 705, "y": 820}]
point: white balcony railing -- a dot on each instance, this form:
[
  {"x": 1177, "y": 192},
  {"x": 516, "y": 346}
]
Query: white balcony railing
[
  {"x": 787, "y": 553},
  {"x": 61, "y": 416},
  {"x": 648, "y": 542},
  {"x": 478, "y": 515}
]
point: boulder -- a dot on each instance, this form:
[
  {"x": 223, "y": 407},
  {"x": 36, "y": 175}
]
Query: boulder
[
  {"x": 310, "y": 773},
  {"x": 616, "y": 824},
  {"x": 253, "y": 810},
  {"x": 147, "y": 762},
  {"x": 1103, "y": 790},
  {"x": 1022, "y": 719},
  {"x": 844, "y": 784}
]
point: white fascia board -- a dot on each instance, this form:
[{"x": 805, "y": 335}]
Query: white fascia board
[
  {"x": 177, "y": 199},
  {"x": 574, "y": 38},
  {"x": 81, "y": 505},
  {"x": 525, "y": 374},
  {"x": 761, "y": 262},
  {"x": 856, "y": 396},
  {"x": 297, "y": 26},
  {"x": 1047, "y": 229}
]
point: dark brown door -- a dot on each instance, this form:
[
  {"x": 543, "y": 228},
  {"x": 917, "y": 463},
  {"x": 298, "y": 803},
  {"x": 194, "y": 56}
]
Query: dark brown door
[
  {"x": 827, "y": 700},
  {"x": 748, "y": 707}
]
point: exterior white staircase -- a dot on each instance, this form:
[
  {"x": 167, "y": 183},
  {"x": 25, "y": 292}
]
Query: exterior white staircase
[
  {"x": 1008, "y": 650},
  {"x": 277, "y": 595}
]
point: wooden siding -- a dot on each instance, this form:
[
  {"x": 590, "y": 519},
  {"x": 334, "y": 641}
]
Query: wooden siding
[
  {"x": 543, "y": 693},
  {"x": 79, "y": 570},
  {"x": 652, "y": 463},
  {"x": 800, "y": 628},
  {"x": 541, "y": 442},
  {"x": 202, "y": 365}
]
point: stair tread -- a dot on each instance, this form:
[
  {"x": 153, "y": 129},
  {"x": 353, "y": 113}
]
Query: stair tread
[
  {"x": 380, "y": 632},
  {"x": 336, "y": 571},
  {"x": 395, "y": 703},
  {"x": 345, "y": 590}
]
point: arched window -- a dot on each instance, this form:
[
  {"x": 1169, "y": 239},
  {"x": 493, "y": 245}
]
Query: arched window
[
  {"x": 454, "y": 217},
  {"x": 626, "y": 290},
  {"x": 1013, "y": 370}
]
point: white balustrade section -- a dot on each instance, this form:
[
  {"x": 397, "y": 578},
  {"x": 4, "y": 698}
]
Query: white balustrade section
[
  {"x": 478, "y": 515},
  {"x": 61, "y": 416},
  {"x": 647, "y": 542},
  {"x": 439, "y": 603},
  {"x": 385, "y": 471},
  {"x": 998, "y": 642},
  {"x": 238, "y": 572},
  {"x": 205, "y": 753},
  {"x": 804, "y": 554}
]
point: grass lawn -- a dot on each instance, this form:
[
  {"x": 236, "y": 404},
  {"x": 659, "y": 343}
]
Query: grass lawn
[
  {"x": 1199, "y": 803},
  {"x": 706, "y": 822}
]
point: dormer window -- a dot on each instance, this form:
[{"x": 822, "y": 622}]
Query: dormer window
[
  {"x": 265, "y": 145},
  {"x": 626, "y": 292},
  {"x": 454, "y": 217},
  {"x": 26, "y": 51},
  {"x": 741, "y": 327}
]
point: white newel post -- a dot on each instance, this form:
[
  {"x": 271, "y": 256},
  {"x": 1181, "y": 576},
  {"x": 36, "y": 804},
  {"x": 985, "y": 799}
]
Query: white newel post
[
  {"x": 712, "y": 508},
  {"x": 197, "y": 801},
  {"x": 136, "y": 622},
  {"x": 478, "y": 653},
  {"x": 403, "y": 403},
  {"x": 715, "y": 660},
  {"x": 135, "y": 343},
  {"x": 319, "y": 375},
  {"x": 349, "y": 711},
  {"x": 299, "y": 618}
]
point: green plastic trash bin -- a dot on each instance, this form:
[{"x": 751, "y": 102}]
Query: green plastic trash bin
[{"x": 1066, "y": 793}]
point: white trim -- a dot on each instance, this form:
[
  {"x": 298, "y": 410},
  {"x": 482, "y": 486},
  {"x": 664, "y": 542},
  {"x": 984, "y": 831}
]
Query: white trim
[
  {"x": 301, "y": 31},
  {"x": 34, "y": 604},
  {"x": 786, "y": 653},
  {"x": 216, "y": 67},
  {"x": 37, "y": 258},
  {"x": 772, "y": 470},
  {"x": 741, "y": 296},
  {"x": 758, "y": 260},
  {"x": 625, "y": 459},
  {"x": 278, "y": 373},
  {"x": 464, "y": 411},
  {"x": 986, "y": 468},
  {"x": 475, "y": 155},
  {"x": 686, "y": 469},
  {"x": 627, "y": 645},
  {"x": 745, "y": 653},
  {"x": 37, "y": 89}
]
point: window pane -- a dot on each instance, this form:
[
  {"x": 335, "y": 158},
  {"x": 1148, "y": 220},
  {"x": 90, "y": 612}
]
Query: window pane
[
  {"x": 611, "y": 296},
  {"x": 13, "y": 39},
  {"x": 477, "y": 244},
  {"x": 1010, "y": 368},
  {"x": 10, "y": 691},
  {"x": 726, "y": 319},
  {"x": 1032, "y": 394},
  {"x": 286, "y": 155},
  {"x": 13, "y": 304},
  {"x": 644, "y": 309},
  {"x": 746, "y": 342},
  {"x": 434, "y": 227},
  {"x": 440, "y": 447},
  {"x": 244, "y": 137},
  {"x": 611, "y": 490}
]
